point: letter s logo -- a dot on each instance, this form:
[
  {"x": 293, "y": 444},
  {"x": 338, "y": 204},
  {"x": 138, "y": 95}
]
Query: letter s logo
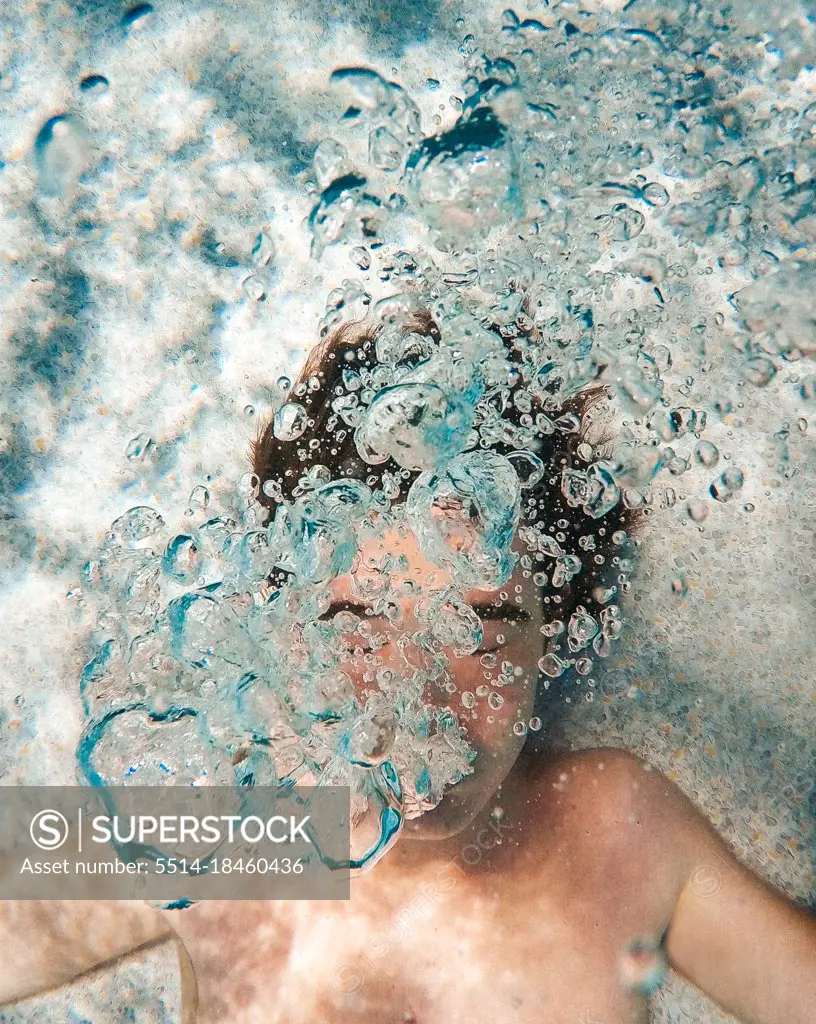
[{"x": 48, "y": 829}]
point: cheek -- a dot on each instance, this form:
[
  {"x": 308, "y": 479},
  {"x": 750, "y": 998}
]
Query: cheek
[
  {"x": 492, "y": 737},
  {"x": 489, "y": 727},
  {"x": 522, "y": 653}
]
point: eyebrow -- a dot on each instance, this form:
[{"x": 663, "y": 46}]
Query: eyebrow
[{"x": 490, "y": 611}]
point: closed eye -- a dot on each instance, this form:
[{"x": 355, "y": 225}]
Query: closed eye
[
  {"x": 368, "y": 643},
  {"x": 361, "y": 610},
  {"x": 503, "y": 612}
]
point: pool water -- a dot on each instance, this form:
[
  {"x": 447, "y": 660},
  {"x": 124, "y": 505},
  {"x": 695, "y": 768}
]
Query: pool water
[{"x": 194, "y": 195}]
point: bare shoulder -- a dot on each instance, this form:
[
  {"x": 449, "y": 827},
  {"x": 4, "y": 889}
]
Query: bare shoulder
[
  {"x": 607, "y": 785},
  {"x": 620, "y": 825}
]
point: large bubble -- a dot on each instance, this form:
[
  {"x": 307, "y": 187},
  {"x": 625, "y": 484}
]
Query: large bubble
[{"x": 466, "y": 516}]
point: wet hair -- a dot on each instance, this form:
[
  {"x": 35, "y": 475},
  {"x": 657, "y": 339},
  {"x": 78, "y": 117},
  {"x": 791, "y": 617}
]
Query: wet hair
[{"x": 329, "y": 442}]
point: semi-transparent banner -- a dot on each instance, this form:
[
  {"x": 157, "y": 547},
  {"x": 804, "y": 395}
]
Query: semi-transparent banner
[{"x": 174, "y": 843}]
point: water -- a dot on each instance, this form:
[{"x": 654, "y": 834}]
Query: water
[{"x": 636, "y": 188}]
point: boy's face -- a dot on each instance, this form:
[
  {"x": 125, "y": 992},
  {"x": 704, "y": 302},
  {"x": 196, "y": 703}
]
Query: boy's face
[{"x": 511, "y": 619}]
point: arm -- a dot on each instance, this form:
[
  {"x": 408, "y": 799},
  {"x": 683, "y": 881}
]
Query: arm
[
  {"x": 742, "y": 942},
  {"x": 44, "y": 943}
]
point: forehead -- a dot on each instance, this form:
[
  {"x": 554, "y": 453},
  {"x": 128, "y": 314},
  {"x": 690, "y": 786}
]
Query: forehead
[{"x": 395, "y": 556}]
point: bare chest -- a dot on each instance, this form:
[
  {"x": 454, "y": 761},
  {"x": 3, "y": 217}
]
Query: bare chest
[
  {"x": 427, "y": 951},
  {"x": 480, "y": 964}
]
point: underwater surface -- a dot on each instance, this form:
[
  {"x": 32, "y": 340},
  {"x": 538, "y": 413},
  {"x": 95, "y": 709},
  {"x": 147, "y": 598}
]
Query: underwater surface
[{"x": 193, "y": 195}]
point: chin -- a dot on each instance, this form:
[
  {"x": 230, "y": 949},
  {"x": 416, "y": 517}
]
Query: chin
[{"x": 455, "y": 812}]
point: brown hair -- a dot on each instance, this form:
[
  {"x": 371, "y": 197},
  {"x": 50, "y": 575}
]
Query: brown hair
[{"x": 329, "y": 442}]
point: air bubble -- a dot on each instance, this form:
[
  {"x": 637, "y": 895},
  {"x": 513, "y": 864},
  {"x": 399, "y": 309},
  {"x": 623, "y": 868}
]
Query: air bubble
[
  {"x": 360, "y": 257},
  {"x": 642, "y": 967},
  {"x": 698, "y": 511},
  {"x": 138, "y": 447},
  {"x": 706, "y": 453},
  {"x": 529, "y": 467},
  {"x": 263, "y": 251},
  {"x": 254, "y": 288},
  {"x": 289, "y": 422},
  {"x": 181, "y": 559},
  {"x": 655, "y": 194},
  {"x": 551, "y": 665},
  {"x": 807, "y": 389},
  {"x": 725, "y": 486},
  {"x": 95, "y": 85},
  {"x": 199, "y": 497},
  {"x": 593, "y": 489},
  {"x": 137, "y": 527},
  {"x": 760, "y": 371},
  {"x": 62, "y": 152},
  {"x": 137, "y": 17}
]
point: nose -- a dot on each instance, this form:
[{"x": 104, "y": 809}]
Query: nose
[{"x": 389, "y": 653}]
